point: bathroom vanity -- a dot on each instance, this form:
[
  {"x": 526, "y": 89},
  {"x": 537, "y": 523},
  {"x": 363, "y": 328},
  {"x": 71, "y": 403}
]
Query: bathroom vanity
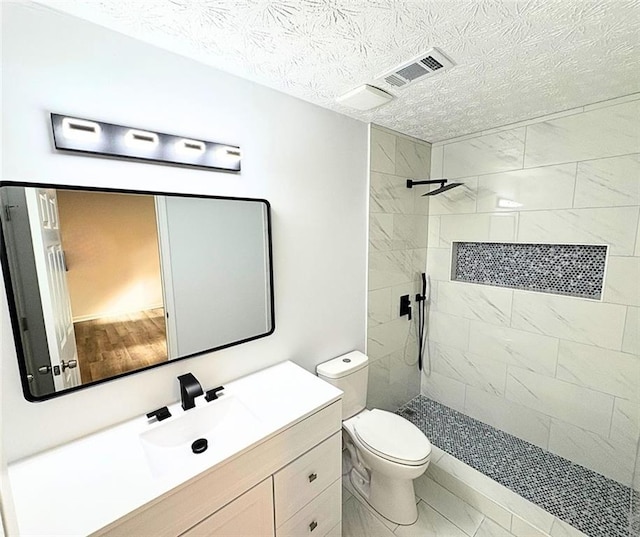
[{"x": 273, "y": 467}]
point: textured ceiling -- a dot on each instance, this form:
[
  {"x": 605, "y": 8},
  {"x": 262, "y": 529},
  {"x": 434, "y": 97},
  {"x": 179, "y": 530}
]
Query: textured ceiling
[{"x": 515, "y": 59}]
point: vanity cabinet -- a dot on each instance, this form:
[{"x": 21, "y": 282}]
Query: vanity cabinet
[
  {"x": 308, "y": 492},
  {"x": 250, "y": 515},
  {"x": 290, "y": 482},
  {"x": 275, "y": 470},
  {"x": 304, "y": 498}
]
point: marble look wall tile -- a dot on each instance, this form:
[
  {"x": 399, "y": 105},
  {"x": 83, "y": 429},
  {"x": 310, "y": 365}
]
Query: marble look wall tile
[
  {"x": 379, "y": 306},
  {"x": 613, "y": 459},
  {"x": 471, "y": 369},
  {"x": 413, "y": 159},
  {"x": 625, "y": 422},
  {"x": 478, "y": 228},
  {"x": 409, "y": 231},
  {"x": 443, "y": 389},
  {"x": 383, "y": 151},
  {"x": 515, "y": 347},
  {"x": 443, "y": 476},
  {"x": 421, "y": 203},
  {"x": 549, "y": 187},
  {"x": 614, "y": 226},
  {"x": 383, "y": 339},
  {"x": 380, "y": 231},
  {"x": 389, "y": 194},
  {"x": 475, "y": 302},
  {"x": 389, "y": 268},
  {"x": 622, "y": 282},
  {"x": 608, "y": 182},
  {"x": 574, "y": 319},
  {"x": 522, "y": 528},
  {"x": 494, "y": 490},
  {"x": 532, "y": 121},
  {"x": 433, "y": 238},
  {"x": 437, "y": 161},
  {"x": 637, "y": 249},
  {"x": 489, "y": 528},
  {"x": 378, "y": 394},
  {"x": 419, "y": 262},
  {"x": 485, "y": 154},
  {"x": 461, "y": 199},
  {"x": 631, "y": 339},
  {"x": 607, "y": 371},
  {"x": 604, "y": 132},
  {"x": 404, "y": 375},
  {"x": 508, "y": 416},
  {"x": 439, "y": 263},
  {"x": 449, "y": 330},
  {"x": 573, "y": 404}
]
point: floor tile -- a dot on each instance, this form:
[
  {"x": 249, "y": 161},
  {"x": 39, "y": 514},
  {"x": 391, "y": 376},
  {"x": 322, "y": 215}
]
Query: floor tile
[
  {"x": 346, "y": 485},
  {"x": 357, "y": 521},
  {"x": 430, "y": 523},
  {"x": 447, "y": 504}
]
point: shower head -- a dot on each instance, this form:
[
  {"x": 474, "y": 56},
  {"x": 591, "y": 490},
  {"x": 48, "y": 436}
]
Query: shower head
[{"x": 442, "y": 189}]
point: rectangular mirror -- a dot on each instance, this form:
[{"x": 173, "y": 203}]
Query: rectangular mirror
[{"x": 103, "y": 283}]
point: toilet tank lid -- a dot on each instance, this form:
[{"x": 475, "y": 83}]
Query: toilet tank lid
[{"x": 342, "y": 365}]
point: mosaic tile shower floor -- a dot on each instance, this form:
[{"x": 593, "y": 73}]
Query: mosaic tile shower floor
[{"x": 594, "y": 504}]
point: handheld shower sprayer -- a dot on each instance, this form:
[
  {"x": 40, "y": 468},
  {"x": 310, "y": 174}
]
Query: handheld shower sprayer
[{"x": 422, "y": 300}]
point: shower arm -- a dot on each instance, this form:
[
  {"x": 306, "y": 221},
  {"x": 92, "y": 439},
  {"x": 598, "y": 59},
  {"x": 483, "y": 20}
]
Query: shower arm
[{"x": 441, "y": 182}]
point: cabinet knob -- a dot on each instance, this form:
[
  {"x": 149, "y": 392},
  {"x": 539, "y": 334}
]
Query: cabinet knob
[
  {"x": 312, "y": 477},
  {"x": 313, "y": 526}
]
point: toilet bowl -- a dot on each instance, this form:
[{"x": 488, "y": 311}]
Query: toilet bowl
[{"x": 386, "y": 451}]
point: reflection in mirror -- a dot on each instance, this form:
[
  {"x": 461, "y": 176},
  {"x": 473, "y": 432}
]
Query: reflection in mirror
[{"x": 103, "y": 283}]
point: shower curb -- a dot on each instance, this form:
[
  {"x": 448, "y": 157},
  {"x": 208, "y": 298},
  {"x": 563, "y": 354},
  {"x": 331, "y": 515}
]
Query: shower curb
[{"x": 505, "y": 507}]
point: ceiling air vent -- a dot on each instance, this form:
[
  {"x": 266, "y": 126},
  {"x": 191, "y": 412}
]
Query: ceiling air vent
[{"x": 429, "y": 63}]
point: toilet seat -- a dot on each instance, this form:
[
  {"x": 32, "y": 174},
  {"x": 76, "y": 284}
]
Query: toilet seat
[{"x": 392, "y": 437}]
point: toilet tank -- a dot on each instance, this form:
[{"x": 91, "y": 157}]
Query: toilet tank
[{"x": 349, "y": 373}]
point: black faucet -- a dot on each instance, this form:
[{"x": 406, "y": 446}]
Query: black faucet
[{"x": 189, "y": 389}]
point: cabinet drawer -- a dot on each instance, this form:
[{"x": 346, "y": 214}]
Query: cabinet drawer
[
  {"x": 317, "y": 518},
  {"x": 250, "y": 515},
  {"x": 302, "y": 480}
]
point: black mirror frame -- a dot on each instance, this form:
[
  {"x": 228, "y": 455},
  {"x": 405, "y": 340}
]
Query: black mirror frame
[{"x": 13, "y": 309}]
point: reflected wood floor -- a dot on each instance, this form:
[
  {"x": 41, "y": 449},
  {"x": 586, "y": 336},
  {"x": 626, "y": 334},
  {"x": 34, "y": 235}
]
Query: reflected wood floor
[{"x": 113, "y": 345}]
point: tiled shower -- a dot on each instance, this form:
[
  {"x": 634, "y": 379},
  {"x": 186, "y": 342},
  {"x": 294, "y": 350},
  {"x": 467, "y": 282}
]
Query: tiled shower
[{"x": 560, "y": 372}]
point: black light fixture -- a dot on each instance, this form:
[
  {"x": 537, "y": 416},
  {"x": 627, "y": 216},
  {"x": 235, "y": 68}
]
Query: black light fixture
[{"x": 106, "y": 139}]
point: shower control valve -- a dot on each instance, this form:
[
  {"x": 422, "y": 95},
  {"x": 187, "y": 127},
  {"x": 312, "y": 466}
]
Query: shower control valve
[{"x": 405, "y": 306}]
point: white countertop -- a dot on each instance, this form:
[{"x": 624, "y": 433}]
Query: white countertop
[{"x": 80, "y": 487}]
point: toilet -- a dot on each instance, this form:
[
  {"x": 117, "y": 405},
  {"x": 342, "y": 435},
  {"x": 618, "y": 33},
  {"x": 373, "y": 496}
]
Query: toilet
[{"x": 386, "y": 451}]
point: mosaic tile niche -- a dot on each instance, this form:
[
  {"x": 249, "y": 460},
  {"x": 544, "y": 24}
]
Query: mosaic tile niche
[{"x": 562, "y": 269}]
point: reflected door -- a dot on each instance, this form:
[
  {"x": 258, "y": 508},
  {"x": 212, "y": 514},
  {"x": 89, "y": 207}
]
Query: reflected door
[
  {"x": 56, "y": 306},
  {"x": 214, "y": 256}
]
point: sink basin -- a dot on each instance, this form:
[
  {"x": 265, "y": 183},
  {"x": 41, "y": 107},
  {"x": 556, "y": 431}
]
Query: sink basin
[{"x": 226, "y": 424}]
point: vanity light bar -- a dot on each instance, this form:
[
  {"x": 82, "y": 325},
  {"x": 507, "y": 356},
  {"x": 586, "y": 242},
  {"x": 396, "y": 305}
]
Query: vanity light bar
[{"x": 107, "y": 139}]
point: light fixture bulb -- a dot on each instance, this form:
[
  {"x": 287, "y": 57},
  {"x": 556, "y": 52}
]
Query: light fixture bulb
[
  {"x": 190, "y": 147},
  {"x": 141, "y": 139},
  {"x": 80, "y": 129}
]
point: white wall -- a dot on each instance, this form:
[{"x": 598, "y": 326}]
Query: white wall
[
  {"x": 310, "y": 163},
  {"x": 560, "y": 372}
]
